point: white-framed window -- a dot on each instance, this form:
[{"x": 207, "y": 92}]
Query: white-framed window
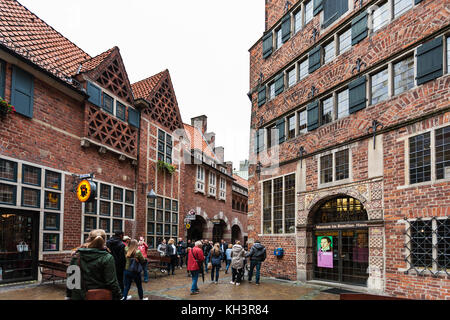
[
  {"x": 200, "y": 181},
  {"x": 112, "y": 206},
  {"x": 380, "y": 16},
  {"x": 345, "y": 41},
  {"x": 271, "y": 91},
  {"x": 223, "y": 189},
  {"x": 403, "y": 75},
  {"x": 329, "y": 52},
  {"x": 303, "y": 121},
  {"x": 342, "y": 104},
  {"x": 298, "y": 21},
  {"x": 278, "y": 205},
  {"x": 212, "y": 184},
  {"x": 162, "y": 220},
  {"x": 401, "y": 6},
  {"x": 279, "y": 38},
  {"x": 291, "y": 122},
  {"x": 335, "y": 166},
  {"x": 303, "y": 69},
  {"x": 327, "y": 110},
  {"x": 292, "y": 77},
  {"x": 308, "y": 11},
  {"x": 380, "y": 86}
]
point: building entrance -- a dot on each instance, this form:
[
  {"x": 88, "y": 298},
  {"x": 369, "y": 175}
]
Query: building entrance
[
  {"x": 341, "y": 254},
  {"x": 18, "y": 245},
  {"x": 195, "y": 232},
  {"x": 218, "y": 231}
]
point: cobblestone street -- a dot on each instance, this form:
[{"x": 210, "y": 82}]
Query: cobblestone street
[{"x": 178, "y": 288}]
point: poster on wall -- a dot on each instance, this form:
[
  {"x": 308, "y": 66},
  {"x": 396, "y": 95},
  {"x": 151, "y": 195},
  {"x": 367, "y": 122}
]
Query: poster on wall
[{"x": 325, "y": 252}]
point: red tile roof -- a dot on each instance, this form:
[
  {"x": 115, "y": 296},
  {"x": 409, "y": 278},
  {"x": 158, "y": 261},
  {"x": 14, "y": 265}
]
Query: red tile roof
[
  {"x": 241, "y": 181},
  {"x": 93, "y": 63},
  {"x": 30, "y": 37},
  {"x": 198, "y": 141},
  {"x": 143, "y": 89}
]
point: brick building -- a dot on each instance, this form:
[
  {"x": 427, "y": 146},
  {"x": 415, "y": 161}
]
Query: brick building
[
  {"x": 350, "y": 168},
  {"x": 209, "y": 188}
]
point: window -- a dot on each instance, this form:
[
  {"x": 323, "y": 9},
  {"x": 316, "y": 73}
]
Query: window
[
  {"x": 121, "y": 111},
  {"x": 200, "y": 183},
  {"x": 291, "y": 127},
  {"x": 271, "y": 136},
  {"x": 448, "y": 55},
  {"x": 342, "y": 163},
  {"x": 303, "y": 126},
  {"x": 165, "y": 224},
  {"x": 342, "y": 104},
  {"x": 259, "y": 142},
  {"x": 8, "y": 170},
  {"x": 222, "y": 189},
  {"x": 289, "y": 204},
  {"x": 271, "y": 91},
  {"x": 51, "y": 242},
  {"x": 308, "y": 11},
  {"x": 326, "y": 169},
  {"x": 404, "y": 75},
  {"x": 212, "y": 184},
  {"x": 327, "y": 110},
  {"x": 380, "y": 87},
  {"x": 443, "y": 153},
  {"x": 292, "y": 77},
  {"x": 279, "y": 34},
  {"x": 7, "y": 194},
  {"x": 420, "y": 158},
  {"x": 51, "y": 221},
  {"x": 278, "y": 205},
  {"x": 31, "y": 175},
  {"x": 108, "y": 103},
  {"x": 31, "y": 198},
  {"x": 401, "y": 6},
  {"x": 267, "y": 207},
  {"x": 329, "y": 52},
  {"x": 298, "y": 21},
  {"x": 380, "y": 16},
  {"x": 304, "y": 69},
  {"x": 164, "y": 147},
  {"x": 345, "y": 41}
]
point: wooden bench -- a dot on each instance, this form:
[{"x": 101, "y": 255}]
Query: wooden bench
[
  {"x": 155, "y": 262},
  {"x": 53, "y": 270}
]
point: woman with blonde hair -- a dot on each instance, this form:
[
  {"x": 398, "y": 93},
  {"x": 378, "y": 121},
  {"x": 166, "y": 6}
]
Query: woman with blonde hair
[
  {"x": 216, "y": 260},
  {"x": 133, "y": 269},
  {"x": 171, "y": 252},
  {"x": 97, "y": 270}
]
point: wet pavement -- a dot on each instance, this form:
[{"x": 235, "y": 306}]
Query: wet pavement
[{"x": 177, "y": 287}]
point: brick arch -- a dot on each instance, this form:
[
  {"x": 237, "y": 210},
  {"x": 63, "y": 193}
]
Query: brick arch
[
  {"x": 224, "y": 218},
  {"x": 238, "y": 223}
]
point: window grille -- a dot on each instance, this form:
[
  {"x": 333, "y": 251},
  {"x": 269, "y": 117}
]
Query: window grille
[{"x": 428, "y": 245}]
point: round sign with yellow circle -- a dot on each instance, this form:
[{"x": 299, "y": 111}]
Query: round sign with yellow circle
[
  {"x": 86, "y": 190},
  {"x": 188, "y": 226}
]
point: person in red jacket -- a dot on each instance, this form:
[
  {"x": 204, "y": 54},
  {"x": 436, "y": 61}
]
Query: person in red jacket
[
  {"x": 195, "y": 260},
  {"x": 143, "y": 247}
]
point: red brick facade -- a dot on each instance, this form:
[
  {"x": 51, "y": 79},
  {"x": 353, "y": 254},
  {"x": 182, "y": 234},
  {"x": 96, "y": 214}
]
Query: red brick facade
[{"x": 378, "y": 179}]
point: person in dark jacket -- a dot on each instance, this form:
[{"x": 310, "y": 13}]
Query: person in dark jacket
[
  {"x": 97, "y": 268},
  {"x": 171, "y": 252},
  {"x": 206, "y": 251},
  {"x": 216, "y": 259},
  {"x": 181, "y": 252},
  {"x": 117, "y": 249},
  {"x": 257, "y": 255},
  {"x": 223, "y": 248}
]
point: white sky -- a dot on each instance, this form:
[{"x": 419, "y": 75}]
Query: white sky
[{"x": 203, "y": 43}]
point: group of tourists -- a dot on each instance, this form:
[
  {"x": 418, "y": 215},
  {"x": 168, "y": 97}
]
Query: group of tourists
[{"x": 109, "y": 267}]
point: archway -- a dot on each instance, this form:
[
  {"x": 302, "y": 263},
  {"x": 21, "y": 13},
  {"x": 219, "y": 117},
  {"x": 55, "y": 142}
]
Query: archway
[
  {"x": 218, "y": 231},
  {"x": 340, "y": 241},
  {"x": 195, "y": 232},
  {"x": 236, "y": 234}
]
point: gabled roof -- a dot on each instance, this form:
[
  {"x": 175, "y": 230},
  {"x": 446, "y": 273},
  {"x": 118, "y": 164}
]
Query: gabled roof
[
  {"x": 93, "y": 63},
  {"x": 198, "y": 141},
  {"x": 27, "y": 35},
  {"x": 144, "y": 88}
]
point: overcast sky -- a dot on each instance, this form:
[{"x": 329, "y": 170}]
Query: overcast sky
[{"x": 203, "y": 43}]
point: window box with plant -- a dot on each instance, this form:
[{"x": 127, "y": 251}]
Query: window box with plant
[
  {"x": 164, "y": 166},
  {"x": 5, "y": 108}
]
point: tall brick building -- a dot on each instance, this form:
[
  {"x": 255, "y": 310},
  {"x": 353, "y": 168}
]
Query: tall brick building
[{"x": 351, "y": 144}]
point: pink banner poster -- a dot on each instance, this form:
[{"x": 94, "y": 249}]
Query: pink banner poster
[{"x": 325, "y": 252}]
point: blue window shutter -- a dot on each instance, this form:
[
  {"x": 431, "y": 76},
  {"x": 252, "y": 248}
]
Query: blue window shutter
[
  {"x": 286, "y": 28},
  {"x": 267, "y": 45},
  {"x": 359, "y": 28},
  {"x": 417, "y": 1},
  {"x": 429, "y": 61},
  {"x": 318, "y": 6},
  {"x": 133, "y": 117},
  {"x": 357, "y": 95},
  {"x": 333, "y": 10},
  {"x": 314, "y": 59},
  {"x": 281, "y": 130},
  {"x": 2, "y": 78},
  {"x": 22, "y": 91},
  {"x": 95, "y": 94},
  {"x": 279, "y": 83},
  {"x": 261, "y": 96},
  {"x": 313, "y": 115}
]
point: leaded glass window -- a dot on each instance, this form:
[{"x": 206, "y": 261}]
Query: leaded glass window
[
  {"x": 303, "y": 121},
  {"x": 342, "y": 165},
  {"x": 298, "y": 21},
  {"x": 278, "y": 205},
  {"x": 401, "y": 6},
  {"x": 267, "y": 207},
  {"x": 308, "y": 11},
  {"x": 342, "y": 104},
  {"x": 289, "y": 204},
  {"x": 292, "y": 77},
  {"x": 420, "y": 158},
  {"x": 380, "y": 89},
  {"x": 291, "y": 127},
  {"x": 443, "y": 153},
  {"x": 329, "y": 52},
  {"x": 404, "y": 75},
  {"x": 326, "y": 169},
  {"x": 327, "y": 110},
  {"x": 380, "y": 16},
  {"x": 304, "y": 69},
  {"x": 345, "y": 41}
]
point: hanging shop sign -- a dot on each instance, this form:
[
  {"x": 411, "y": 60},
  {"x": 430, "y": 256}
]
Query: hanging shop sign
[
  {"x": 86, "y": 190},
  {"x": 350, "y": 225},
  {"x": 191, "y": 215},
  {"x": 215, "y": 221},
  {"x": 325, "y": 252}
]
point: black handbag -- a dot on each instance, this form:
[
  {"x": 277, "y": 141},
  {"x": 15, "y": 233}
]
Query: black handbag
[{"x": 135, "y": 266}]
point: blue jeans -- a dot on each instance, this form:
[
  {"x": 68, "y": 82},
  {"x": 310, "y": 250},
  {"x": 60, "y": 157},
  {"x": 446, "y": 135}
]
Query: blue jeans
[
  {"x": 128, "y": 278},
  {"x": 144, "y": 265},
  {"x": 194, "y": 275},
  {"x": 228, "y": 264},
  {"x": 216, "y": 268},
  {"x": 254, "y": 264}
]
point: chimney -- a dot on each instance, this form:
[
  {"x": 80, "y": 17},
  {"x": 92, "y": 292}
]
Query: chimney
[
  {"x": 201, "y": 123},
  {"x": 220, "y": 153},
  {"x": 229, "y": 165},
  {"x": 211, "y": 139}
]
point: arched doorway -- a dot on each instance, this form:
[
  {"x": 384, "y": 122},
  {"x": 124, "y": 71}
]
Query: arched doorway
[
  {"x": 195, "y": 232},
  {"x": 218, "y": 231},
  {"x": 235, "y": 234},
  {"x": 340, "y": 241}
]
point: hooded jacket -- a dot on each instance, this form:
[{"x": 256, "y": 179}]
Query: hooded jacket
[
  {"x": 257, "y": 253},
  {"x": 237, "y": 257},
  {"x": 117, "y": 249},
  {"x": 97, "y": 272}
]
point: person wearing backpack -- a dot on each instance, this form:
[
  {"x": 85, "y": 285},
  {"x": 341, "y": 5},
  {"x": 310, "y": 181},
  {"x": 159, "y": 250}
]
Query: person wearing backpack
[
  {"x": 133, "y": 269},
  {"x": 216, "y": 260},
  {"x": 257, "y": 255}
]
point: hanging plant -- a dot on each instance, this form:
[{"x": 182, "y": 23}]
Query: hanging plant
[
  {"x": 166, "y": 166},
  {"x": 5, "y": 108}
]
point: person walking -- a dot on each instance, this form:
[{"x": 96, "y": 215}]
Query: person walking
[
  {"x": 117, "y": 249},
  {"x": 257, "y": 255},
  {"x": 133, "y": 269},
  {"x": 97, "y": 270},
  {"x": 206, "y": 252},
  {"x": 171, "y": 252},
  {"x": 228, "y": 257},
  {"x": 143, "y": 248},
  {"x": 216, "y": 260},
  {"x": 223, "y": 248},
  {"x": 181, "y": 252},
  {"x": 162, "y": 252},
  {"x": 195, "y": 265},
  {"x": 237, "y": 263}
]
